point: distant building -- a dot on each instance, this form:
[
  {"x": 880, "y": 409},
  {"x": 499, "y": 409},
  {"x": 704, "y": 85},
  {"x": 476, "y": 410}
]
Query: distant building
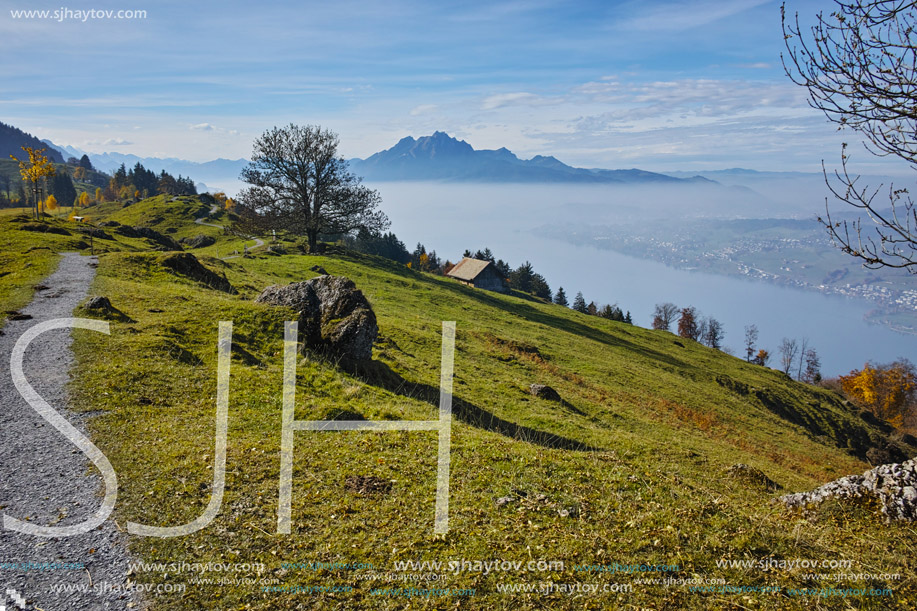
[{"x": 479, "y": 274}]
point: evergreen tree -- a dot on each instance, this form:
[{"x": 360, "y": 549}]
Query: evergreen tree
[
  {"x": 522, "y": 278},
  {"x": 167, "y": 184},
  {"x": 628, "y": 319},
  {"x": 85, "y": 163},
  {"x": 561, "y": 297},
  {"x": 812, "y": 373},
  {"x": 540, "y": 287},
  {"x": 579, "y": 303},
  {"x": 120, "y": 178},
  {"x": 61, "y": 187}
]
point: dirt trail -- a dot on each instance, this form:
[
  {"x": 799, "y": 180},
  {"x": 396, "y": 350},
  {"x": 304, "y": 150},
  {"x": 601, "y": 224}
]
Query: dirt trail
[
  {"x": 213, "y": 210},
  {"x": 43, "y": 477}
]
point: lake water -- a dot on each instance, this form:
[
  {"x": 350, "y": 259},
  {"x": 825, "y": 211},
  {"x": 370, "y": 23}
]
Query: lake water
[{"x": 449, "y": 218}]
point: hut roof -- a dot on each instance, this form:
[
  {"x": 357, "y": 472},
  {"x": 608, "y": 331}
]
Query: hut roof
[{"x": 468, "y": 269}]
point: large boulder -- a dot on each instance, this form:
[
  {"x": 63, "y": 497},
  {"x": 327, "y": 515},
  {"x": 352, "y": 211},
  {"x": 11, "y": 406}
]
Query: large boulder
[{"x": 334, "y": 316}]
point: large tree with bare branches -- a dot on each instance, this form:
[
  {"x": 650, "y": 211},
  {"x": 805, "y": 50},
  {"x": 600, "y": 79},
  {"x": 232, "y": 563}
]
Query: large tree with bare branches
[
  {"x": 300, "y": 183},
  {"x": 859, "y": 64}
]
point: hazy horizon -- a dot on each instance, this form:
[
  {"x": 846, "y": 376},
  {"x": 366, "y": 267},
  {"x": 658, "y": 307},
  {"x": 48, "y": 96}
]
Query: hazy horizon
[{"x": 657, "y": 85}]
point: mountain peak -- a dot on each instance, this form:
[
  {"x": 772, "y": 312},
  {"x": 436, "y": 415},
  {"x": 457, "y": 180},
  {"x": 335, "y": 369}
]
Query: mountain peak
[{"x": 440, "y": 156}]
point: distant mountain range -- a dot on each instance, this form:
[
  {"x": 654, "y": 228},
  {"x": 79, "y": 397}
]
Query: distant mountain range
[
  {"x": 438, "y": 157},
  {"x": 442, "y": 157},
  {"x": 216, "y": 172}
]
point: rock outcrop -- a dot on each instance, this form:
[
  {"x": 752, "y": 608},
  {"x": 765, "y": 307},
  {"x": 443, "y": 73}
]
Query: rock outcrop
[
  {"x": 163, "y": 242},
  {"x": 334, "y": 316},
  {"x": 186, "y": 264},
  {"x": 545, "y": 392},
  {"x": 199, "y": 241},
  {"x": 894, "y": 486}
]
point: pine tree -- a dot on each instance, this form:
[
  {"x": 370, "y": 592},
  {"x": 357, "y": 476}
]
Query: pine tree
[
  {"x": 561, "y": 297},
  {"x": 579, "y": 303},
  {"x": 522, "y": 278},
  {"x": 812, "y": 374},
  {"x": 61, "y": 187}
]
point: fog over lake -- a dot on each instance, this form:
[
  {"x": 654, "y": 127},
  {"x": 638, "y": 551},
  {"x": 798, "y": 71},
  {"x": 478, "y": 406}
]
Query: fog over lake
[{"x": 449, "y": 218}]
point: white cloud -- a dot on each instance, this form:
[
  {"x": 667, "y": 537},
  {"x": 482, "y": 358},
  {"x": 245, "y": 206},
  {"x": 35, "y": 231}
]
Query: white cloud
[
  {"x": 202, "y": 127},
  {"x": 109, "y": 142},
  {"x": 509, "y": 99},
  {"x": 423, "y": 109},
  {"x": 677, "y": 16}
]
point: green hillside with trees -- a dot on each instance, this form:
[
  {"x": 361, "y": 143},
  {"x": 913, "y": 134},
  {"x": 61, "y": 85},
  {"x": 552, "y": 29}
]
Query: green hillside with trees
[{"x": 636, "y": 464}]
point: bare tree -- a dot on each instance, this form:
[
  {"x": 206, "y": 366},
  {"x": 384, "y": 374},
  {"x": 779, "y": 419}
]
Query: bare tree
[
  {"x": 301, "y": 184},
  {"x": 713, "y": 333},
  {"x": 751, "y": 338},
  {"x": 664, "y": 315},
  {"x": 788, "y": 349},
  {"x": 860, "y": 69},
  {"x": 803, "y": 349}
]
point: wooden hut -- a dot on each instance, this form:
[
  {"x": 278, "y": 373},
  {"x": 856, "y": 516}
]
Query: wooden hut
[{"x": 479, "y": 274}]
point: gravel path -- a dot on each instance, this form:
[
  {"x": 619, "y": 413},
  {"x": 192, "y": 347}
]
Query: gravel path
[
  {"x": 43, "y": 477},
  {"x": 214, "y": 210},
  {"x": 203, "y": 220}
]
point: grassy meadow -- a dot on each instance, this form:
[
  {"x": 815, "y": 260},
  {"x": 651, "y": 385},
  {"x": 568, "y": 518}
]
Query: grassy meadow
[{"x": 632, "y": 468}]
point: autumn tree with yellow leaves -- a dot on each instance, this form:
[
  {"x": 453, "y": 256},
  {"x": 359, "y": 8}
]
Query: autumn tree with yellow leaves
[
  {"x": 33, "y": 170},
  {"x": 888, "y": 391}
]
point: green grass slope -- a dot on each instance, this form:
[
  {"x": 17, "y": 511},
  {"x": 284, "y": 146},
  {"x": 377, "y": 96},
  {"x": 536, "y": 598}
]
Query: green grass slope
[{"x": 630, "y": 469}]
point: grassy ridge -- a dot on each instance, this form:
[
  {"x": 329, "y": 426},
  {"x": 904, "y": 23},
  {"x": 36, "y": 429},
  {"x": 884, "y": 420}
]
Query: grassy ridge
[{"x": 630, "y": 469}]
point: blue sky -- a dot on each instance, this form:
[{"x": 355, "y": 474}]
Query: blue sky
[{"x": 656, "y": 85}]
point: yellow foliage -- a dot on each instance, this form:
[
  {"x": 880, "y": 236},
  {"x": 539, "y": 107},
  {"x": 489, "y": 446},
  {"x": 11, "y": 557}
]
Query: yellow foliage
[
  {"x": 36, "y": 167},
  {"x": 886, "y": 391},
  {"x": 98, "y": 197},
  {"x": 51, "y": 203}
]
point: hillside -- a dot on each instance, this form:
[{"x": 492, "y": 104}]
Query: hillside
[
  {"x": 9, "y": 170},
  {"x": 13, "y": 139},
  {"x": 633, "y": 467}
]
